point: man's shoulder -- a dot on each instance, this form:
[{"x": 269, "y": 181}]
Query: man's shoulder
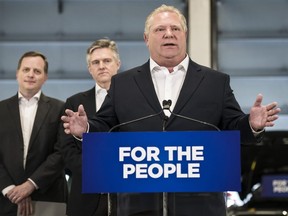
[
  {"x": 8, "y": 100},
  {"x": 205, "y": 69},
  {"x": 81, "y": 94},
  {"x": 52, "y": 100},
  {"x": 133, "y": 71}
]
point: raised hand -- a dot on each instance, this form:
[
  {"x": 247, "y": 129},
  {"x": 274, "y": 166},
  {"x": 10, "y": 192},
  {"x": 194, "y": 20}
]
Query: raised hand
[
  {"x": 262, "y": 116},
  {"x": 75, "y": 123}
]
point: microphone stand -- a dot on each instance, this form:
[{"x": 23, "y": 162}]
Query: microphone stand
[
  {"x": 109, "y": 204},
  {"x": 109, "y": 197},
  {"x": 165, "y": 204},
  {"x": 165, "y": 194},
  {"x": 166, "y": 106}
]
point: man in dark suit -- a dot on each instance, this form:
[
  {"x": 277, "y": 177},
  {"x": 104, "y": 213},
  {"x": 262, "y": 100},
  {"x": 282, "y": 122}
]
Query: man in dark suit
[
  {"x": 31, "y": 166},
  {"x": 196, "y": 91},
  {"x": 103, "y": 62}
]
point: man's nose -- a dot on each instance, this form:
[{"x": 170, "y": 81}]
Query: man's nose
[
  {"x": 168, "y": 33},
  {"x": 101, "y": 64},
  {"x": 31, "y": 73}
]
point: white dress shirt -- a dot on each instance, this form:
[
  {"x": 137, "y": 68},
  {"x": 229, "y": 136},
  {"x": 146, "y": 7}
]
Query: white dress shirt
[
  {"x": 28, "y": 109},
  {"x": 100, "y": 94},
  {"x": 168, "y": 84}
]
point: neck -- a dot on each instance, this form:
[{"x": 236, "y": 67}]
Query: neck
[
  {"x": 27, "y": 95},
  {"x": 169, "y": 63},
  {"x": 170, "y": 69},
  {"x": 104, "y": 85}
]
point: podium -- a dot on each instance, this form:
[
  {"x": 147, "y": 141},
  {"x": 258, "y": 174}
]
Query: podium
[{"x": 160, "y": 172}]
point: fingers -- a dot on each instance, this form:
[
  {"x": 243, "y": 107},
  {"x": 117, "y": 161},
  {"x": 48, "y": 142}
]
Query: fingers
[
  {"x": 258, "y": 100},
  {"x": 69, "y": 112},
  {"x": 13, "y": 196},
  {"x": 17, "y": 200},
  {"x": 67, "y": 131},
  {"x": 25, "y": 207},
  {"x": 14, "y": 199},
  {"x": 81, "y": 110},
  {"x": 272, "y": 112},
  {"x": 19, "y": 192},
  {"x": 21, "y": 208},
  {"x": 30, "y": 207},
  {"x": 272, "y": 116},
  {"x": 271, "y": 106}
]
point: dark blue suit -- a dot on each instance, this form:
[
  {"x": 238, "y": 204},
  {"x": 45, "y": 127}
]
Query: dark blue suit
[
  {"x": 78, "y": 203},
  {"x": 44, "y": 164},
  {"x": 206, "y": 95}
]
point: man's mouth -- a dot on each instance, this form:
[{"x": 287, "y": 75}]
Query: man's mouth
[
  {"x": 30, "y": 81},
  {"x": 169, "y": 44},
  {"x": 103, "y": 73}
]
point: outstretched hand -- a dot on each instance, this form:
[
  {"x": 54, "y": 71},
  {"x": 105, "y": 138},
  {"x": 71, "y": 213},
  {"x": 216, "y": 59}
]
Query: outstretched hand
[
  {"x": 75, "y": 123},
  {"x": 262, "y": 116}
]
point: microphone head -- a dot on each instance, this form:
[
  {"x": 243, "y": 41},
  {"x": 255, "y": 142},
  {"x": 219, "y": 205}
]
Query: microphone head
[
  {"x": 169, "y": 102},
  {"x": 166, "y": 104}
]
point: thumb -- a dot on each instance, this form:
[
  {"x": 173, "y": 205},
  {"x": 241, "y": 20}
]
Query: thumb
[
  {"x": 258, "y": 100},
  {"x": 81, "y": 110}
]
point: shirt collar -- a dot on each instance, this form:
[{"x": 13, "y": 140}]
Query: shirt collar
[
  {"x": 36, "y": 96},
  {"x": 98, "y": 89},
  {"x": 182, "y": 65}
]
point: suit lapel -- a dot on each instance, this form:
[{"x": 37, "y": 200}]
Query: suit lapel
[
  {"x": 192, "y": 81},
  {"x": 42, "y": 110},
  {"x": 89, "y": 102},
  {"x": 18, "y": 143},
  {"x": 13, "y": 107},
  {"x": 144, "y": 81}
]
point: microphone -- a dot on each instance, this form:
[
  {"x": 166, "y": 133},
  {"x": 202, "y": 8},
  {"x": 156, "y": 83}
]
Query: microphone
[
  {"x": 140, "y": 119},
  {"x": 166, "y": 106}
]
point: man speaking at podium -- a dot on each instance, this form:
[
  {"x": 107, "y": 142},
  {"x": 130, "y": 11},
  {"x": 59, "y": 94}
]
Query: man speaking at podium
[{"x": 197, "y": 92}]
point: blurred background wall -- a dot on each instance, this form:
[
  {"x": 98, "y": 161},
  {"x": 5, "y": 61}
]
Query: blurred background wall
[{"x": 246, "y": 39}]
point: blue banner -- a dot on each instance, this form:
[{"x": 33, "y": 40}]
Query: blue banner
[
  {"x": 203, "y": 161},
  {"x": 275, "y": 186}
]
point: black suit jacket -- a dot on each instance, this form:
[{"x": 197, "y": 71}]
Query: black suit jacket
[
  {"x": 206, "y": 95},
  {"x": 44, "y": 164},
  {"x": 78, "y": 203}
]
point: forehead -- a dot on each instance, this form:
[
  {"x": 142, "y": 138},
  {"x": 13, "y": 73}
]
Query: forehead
[
  {"x": 166, "y": 18},
  {"x": 102, "y": 53},
  {"x": 32, "y": 61}
]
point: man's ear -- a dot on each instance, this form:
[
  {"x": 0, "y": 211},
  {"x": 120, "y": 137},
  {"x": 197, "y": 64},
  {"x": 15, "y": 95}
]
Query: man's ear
[{"x": 145, "y": 38}]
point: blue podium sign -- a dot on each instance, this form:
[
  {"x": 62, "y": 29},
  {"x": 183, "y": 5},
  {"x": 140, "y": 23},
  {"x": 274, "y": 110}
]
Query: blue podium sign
[
  {"x": 275, "y": 186},
  {"x": 203, "y": 161}
]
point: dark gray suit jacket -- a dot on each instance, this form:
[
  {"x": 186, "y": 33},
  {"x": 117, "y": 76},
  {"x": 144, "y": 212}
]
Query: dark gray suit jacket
[
  {"x": 44, "y": 164},
  {"x": 78, "y": 203},
  {"x": 206, "y": 95}
]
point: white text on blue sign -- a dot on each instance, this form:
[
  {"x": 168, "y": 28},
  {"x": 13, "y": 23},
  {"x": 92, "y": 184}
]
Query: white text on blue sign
[{"x": 175, "y": 155}]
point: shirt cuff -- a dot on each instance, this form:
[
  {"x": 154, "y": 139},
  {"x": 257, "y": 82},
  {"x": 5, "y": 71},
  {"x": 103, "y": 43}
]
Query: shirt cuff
[
  {"x": 35, "y": 185},
  {"x": 256, "y": 133},
  {"x": 7, "y": 189},
  {"x": 81, "y": 139}
]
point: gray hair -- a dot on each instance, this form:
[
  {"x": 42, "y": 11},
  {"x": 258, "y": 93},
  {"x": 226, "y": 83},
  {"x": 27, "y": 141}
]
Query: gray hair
[
  {"x": 164, "y": 8},
  {"x": 103, "y": 43}
]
